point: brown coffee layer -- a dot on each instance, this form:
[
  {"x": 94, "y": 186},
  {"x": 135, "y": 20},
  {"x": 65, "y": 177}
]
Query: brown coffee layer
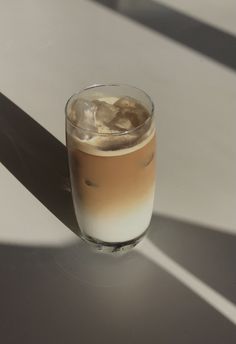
[{"x": 110, "y": 183}]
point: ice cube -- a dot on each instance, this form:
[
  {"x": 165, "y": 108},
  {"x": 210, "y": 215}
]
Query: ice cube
[
  {"x": 125, "y": 102},
  {"x": 148, "y": 160},
  {"x": 105, "y": 114},
  {"x": 91, "y": 183},
  {"x": 122, "y": 124},
  {"x": 132, "y": 110},
  {"x": 85, "y": 112}
]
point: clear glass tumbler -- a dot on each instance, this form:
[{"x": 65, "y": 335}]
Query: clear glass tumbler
[{"x": 110, "y": 131}]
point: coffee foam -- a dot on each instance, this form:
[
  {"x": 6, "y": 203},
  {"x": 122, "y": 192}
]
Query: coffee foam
[{"x": 93, "y": 146}]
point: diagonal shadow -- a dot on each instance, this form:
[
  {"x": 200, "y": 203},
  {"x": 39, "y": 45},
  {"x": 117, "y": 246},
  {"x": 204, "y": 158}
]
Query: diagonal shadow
[
  {"x": 209, "y": 254},
  {"x": 176, "y": 25},
  {"x": 37, "y": 159}
]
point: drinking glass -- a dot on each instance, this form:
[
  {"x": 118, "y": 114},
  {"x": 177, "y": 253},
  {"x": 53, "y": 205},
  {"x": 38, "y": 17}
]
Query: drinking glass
[{"x": 112, "y": 173}]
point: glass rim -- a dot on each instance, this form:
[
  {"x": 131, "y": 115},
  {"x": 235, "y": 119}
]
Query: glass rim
[{"x": 76, "y": 94}]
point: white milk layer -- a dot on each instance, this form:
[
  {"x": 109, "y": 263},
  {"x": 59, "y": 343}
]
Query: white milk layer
[{"x": 119, "y": 225}]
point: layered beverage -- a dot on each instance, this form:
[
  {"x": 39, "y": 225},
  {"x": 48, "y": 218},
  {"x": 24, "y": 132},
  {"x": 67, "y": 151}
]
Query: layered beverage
[{"x": 111, "y": 149}]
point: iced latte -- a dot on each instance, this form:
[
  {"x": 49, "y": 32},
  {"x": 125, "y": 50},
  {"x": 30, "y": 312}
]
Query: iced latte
[{"x": 111, "y": 149}]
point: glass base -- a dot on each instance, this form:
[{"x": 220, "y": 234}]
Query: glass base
[{"x": 112, "y": 247}]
